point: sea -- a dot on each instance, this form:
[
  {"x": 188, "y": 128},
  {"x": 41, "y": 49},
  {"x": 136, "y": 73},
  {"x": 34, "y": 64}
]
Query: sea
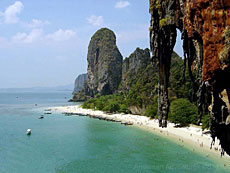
[{"x": 69, "y": 144}]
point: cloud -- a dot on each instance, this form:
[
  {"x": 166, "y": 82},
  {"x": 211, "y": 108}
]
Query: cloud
[
  {"x": 95, "y": 20},
  {"x": 36, "y": 23},
  {"x": 34, "y": 36},
  {"x": 10, "y": 16},
  {"x": 122, "y": 4},
  {"x": 11, "y": 12},
  {"x": 61, "y": 35},
  {"x": 37, "y": 35}
]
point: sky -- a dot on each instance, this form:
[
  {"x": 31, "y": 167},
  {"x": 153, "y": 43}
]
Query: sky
[{"x": 44, "y": 42}]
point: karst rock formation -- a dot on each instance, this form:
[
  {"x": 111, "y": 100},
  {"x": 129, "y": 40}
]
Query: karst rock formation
[
  {"x": 132, "y": 65},
  {"x": 104, "y": 64},
  {"x": 205, "y": 28},
  {"x": 79, "y": 83}
]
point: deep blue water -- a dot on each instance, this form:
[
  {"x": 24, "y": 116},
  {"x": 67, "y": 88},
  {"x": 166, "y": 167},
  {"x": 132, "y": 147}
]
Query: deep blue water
[{"x": 79, "y": 144}]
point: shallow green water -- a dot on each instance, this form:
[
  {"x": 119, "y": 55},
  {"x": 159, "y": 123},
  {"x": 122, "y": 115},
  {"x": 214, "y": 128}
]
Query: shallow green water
[{"x": 80, "y": 144}]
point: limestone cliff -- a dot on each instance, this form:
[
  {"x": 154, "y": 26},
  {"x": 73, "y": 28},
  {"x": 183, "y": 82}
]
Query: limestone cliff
[
  {"x": 132, "y": 65},
  {"x": 79, "y": 83},
  {"x": 104, "y": 64},
  {"x": 139, "y": 81},
  {"x": 205, "y": 27}
]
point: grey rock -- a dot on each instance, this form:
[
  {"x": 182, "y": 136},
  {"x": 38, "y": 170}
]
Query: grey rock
[
  {"x": 132, "y": 65},
  {"x": 104, "y": 64},
  {"x": 79, "y": 83}
]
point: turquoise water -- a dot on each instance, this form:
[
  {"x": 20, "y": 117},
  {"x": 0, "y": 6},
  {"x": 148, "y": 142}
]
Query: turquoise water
[{"x": 79, "y": 144}]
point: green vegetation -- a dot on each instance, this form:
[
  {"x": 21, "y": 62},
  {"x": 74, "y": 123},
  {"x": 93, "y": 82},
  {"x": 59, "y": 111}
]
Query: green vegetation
[
  {"x": 108, "y": 103},
  {"x": 143, "y": 87},
  {"x": 154, "y": 4},
  {"x": 206, "y": 119},
  {"x": 112, "y": 107},
  {"x": 80, "y": 96},
  {"x": 182, "y": 112},
  {"x": 178, "y": 87},
  {"x": 163, "y": 22},
  {"x": 104, "y": 33},
  {"x": 150, "y": 28},
  {"x": 151, "y": 110}
]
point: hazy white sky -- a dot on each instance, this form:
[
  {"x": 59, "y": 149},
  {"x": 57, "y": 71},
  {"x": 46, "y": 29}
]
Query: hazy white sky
[{"x": 44, "y": 42}]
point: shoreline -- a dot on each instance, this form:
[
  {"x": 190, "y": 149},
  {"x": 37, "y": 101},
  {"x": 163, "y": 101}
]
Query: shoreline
[{"x": 191, "y": 137}]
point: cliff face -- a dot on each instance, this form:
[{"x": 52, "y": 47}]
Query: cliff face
[
  {"x": 104, "y": 64},
  {"x": 139, "y": 83},
  {"x": 132, "y": 65},
  {"x": 210, "y": 20},
  {"x": 79, "y": 83},
  {"x": 163, "y": 39},
  {"x": 205, "y": 27}
]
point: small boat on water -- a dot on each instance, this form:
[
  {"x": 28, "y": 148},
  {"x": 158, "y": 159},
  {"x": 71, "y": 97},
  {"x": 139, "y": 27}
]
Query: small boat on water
[
  {"x": 127, "y": 123},
  {"x": 41, "y": 117},
  {"x": 48, "y": 113},
  {"x": 28, "y": 132}
]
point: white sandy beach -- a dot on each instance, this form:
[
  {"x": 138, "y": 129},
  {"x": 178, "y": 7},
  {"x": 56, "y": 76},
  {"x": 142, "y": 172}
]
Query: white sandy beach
[{"x": 190, "y": 137}]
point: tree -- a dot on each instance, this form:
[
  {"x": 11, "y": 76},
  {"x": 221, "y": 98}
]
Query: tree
[
  {"x": 112, "y": 107},
  {"x": 182, "y": 112}
]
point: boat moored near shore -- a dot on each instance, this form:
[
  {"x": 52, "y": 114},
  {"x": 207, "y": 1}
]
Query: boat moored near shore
[{"x": 28, "y": 132}]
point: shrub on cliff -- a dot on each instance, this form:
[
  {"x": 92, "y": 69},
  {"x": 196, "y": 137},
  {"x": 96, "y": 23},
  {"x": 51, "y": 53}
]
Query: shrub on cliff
[
  {"x": 206, "y": 119},
  {"x": 182, "y": 112},
  {"x": 89, "y": 104},
  {"x": 151, "y": 110},
  {"x": 124, "y": 109},
  {"x": 109, "y": 103},
  {"x": 112, "y": 107},
  {"x": 99, "y": 105},
  {"x": 179, "y": 87}
]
